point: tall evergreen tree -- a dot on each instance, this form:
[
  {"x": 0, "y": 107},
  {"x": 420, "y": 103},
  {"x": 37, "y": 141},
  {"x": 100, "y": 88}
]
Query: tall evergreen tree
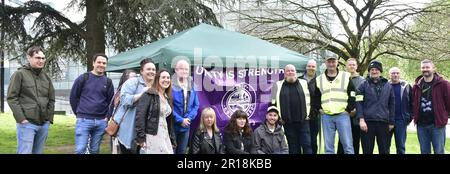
[{"x": 108, "y": 24}]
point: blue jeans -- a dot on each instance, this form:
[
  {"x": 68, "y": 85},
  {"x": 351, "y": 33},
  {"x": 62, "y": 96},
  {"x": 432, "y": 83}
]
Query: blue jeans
[
  {"x": 341, "y": 123},
  {"x": 31, "y": 138},
  {"x": 356, "y": 136},
  {"x": 182, "y": 142},
  {"x": 89, "y": 131},
  {"x": 400, "y": 136},
  {"x": 298, "y": 137},
  {"x": 428, "y": 135}
]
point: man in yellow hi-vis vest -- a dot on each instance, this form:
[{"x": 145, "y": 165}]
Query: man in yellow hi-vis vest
[
  {"x": 292, "y": 99},
  {"x": 336, "y": 94}
]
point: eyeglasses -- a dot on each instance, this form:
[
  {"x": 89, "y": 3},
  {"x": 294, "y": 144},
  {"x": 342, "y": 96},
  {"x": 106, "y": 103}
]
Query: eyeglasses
[{"x": 40, "y": 58}]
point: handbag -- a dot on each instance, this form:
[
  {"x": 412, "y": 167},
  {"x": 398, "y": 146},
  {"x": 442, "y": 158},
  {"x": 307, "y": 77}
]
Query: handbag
[{"x": 113, "y": 126}]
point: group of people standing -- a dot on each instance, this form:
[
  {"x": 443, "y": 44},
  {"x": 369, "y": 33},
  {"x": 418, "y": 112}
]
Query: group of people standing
[
  {"x": 155, "y": 111},
  {"x": 361, "y": 110}
]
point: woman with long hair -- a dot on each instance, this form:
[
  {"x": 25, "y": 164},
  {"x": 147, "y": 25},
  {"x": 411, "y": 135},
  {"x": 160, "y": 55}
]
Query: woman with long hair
[
  {"x": 154, "y": 118},
  {"x": 207, "y": 138},
  {"x": 238, "y": 136},
  {"x": 127, "y": 74}
]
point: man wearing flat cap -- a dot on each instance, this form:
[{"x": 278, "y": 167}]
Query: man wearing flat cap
[{"x": 334, "y": 97}]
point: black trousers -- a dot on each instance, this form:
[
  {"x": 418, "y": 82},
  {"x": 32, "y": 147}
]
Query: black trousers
[
  {"x": 298, "y": 137},
  {"x": 314, "y": 127},
  {"x": 133, "y": 150},
  {"x": 378, "y": 130}
]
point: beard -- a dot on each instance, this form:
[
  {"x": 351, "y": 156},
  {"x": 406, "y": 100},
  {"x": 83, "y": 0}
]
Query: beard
[
  {"x": 375, "y": 79},
  {"x": 291, "y": 79},
  {"x": 426, "y": 73},
  {"x": 374, "y": 76}
]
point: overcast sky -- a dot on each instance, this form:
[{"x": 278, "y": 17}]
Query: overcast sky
[{"x": 79, "y": 16}]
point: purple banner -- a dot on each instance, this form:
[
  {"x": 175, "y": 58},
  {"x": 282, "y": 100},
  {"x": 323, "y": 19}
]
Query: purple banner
[{"x": 229, "y": 89}]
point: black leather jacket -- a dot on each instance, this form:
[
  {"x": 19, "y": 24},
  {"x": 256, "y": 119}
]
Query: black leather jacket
[
  {"x": 233, "y": 143},
  {"x": 147, "y": 117},
  {"x": 199, "y": 144}
]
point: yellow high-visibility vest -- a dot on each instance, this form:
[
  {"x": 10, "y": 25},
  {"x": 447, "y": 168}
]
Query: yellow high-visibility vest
[
  {"x": 334, "y": 93},
  {"x": 304, "y": 85}
]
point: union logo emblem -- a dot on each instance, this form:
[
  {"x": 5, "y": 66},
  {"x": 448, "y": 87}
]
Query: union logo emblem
[{"x": 243, "y": 97}]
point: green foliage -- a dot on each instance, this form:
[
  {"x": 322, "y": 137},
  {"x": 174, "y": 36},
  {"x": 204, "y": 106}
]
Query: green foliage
[
  {"x": 428, "y": 38},
  {"x": 410, "y": 69},
  {"x": 121, "y": 25},
  {"x": 144, "y": 21}
]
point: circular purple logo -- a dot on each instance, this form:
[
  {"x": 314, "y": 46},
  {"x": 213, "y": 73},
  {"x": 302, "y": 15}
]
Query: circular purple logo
[{"x": 242, "y": 96}]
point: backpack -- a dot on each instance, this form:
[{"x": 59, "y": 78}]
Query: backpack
[{"x": 83, "y": 81}]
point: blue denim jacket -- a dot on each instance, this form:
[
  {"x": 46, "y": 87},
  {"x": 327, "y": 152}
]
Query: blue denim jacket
[{"x": 130, "y": 88}]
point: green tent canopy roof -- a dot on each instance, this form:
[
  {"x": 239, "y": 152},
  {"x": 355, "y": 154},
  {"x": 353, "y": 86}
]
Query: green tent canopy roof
[{"x": 214, "y": 47}]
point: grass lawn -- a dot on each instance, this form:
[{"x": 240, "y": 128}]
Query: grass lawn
[
  {"x": 60, "y": 139},
  {"x": 412, "y": 145}
]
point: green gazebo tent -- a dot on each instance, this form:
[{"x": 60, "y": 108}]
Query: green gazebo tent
[{"x": 209, "y": 41}]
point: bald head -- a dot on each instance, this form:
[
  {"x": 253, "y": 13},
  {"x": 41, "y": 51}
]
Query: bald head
[
  {"x": 290, "y": 73},
  {"x": 394, "y": 69},
  {"x": 311, "y": 67},
  {"x": 290, "y": 67},
  {"x": 394, "y": 75},
  {"x": 311, "y": 62}
]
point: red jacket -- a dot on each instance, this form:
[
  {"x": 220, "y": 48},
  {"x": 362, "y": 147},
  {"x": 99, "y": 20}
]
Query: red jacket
[{"x": 440, "y": 93}]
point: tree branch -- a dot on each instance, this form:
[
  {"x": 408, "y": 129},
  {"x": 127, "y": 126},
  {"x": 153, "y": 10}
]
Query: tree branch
[{"x": 31, "y": 7}]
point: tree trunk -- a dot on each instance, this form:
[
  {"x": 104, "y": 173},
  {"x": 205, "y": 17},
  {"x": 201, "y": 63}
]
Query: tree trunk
[
  {"x": 95, "y": 41},
  {"x": 362, "y": 68}
]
